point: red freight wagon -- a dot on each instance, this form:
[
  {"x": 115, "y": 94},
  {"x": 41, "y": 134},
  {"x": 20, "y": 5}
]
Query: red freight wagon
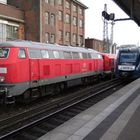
[{"x": 109, "y": 63}]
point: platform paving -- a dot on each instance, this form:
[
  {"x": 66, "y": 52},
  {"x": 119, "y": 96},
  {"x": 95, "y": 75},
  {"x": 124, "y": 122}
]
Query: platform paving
[{"x": 113, "y": 118}]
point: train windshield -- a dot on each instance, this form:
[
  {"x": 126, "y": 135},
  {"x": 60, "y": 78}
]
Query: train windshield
[
  {"x": 128, "y": 57},
  {"x": 4, "y": 52}
]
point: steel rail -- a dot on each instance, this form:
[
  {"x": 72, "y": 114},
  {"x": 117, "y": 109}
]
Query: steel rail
[{"x": 63, "y": 107}]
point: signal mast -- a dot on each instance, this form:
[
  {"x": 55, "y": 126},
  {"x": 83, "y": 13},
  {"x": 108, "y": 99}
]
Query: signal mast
[
  {"x": 107, "y": 44},
  {"x": 105, "y": 30}
]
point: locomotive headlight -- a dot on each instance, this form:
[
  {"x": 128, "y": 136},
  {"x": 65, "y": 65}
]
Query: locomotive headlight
[
  {"x": 120, "y": 67},
  {"x": 2, "y": 78},
  {"x": 133, "y": 67}
]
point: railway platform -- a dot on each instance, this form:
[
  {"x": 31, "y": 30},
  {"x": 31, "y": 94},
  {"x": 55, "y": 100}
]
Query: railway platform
[{"x": 114, "y": 118}]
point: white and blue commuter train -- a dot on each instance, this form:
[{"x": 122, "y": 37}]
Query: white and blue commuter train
[{"x": 128, "y": 61}]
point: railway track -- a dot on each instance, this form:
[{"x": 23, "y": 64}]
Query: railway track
[{"x": 35, "y": 122}]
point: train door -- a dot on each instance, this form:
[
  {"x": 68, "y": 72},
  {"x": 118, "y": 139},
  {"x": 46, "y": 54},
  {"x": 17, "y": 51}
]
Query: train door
[
  {"x": 34, "y": 68},
  {"x": 96, "y": 65}
]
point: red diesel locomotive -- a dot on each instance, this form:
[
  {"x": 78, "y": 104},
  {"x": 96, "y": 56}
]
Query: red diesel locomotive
[{"x": 30, "y": 69}]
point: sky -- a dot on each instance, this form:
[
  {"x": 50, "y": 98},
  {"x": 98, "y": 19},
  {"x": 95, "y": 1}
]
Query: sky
[{"x": 125, "y": 32}]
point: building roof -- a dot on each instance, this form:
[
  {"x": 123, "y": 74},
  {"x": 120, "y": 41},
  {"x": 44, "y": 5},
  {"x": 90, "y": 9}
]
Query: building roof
[
  {"x": 80, "y": 3},
  {"x": 131, "y": 7},
  {"x": 94, "y": 39}
]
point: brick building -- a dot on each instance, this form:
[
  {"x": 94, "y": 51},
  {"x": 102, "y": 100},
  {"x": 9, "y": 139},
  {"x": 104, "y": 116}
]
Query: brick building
[
  {"x": 11, "y": 22},
  {"x": 61, "y": 21},
  {"x": 95, "y": 44}
]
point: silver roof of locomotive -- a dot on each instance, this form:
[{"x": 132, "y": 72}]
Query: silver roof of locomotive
[{"x": 38, "y": 45}]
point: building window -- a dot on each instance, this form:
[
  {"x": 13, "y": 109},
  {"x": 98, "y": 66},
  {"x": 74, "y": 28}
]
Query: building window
[
  {"x": 60, "y": 2},
  {"x": 47, "y": 17},
  {"x": 52, "y": 38},
  {"x": 12, "y": 32},
  {"x": 60, "y": 34},
  {"x": 80, "y": 11},
  {"x": 47, "y": 39},
  {"x": 52, "y": 19},
  {"x": 81, "y": 40},
  {"x": 2, "y": 32},
  {"x": 46, "y": 1},
  {"x": 52, "y": 2},
  {"x": 60, "y": 15},
  {"x": 67, "y": 5},
  {"x": 67, "y": 18},
  {"x": 74, "y": 38},
  {"x": 68, "y": 36},
  {"x": 74, "y": 8},
  {"x": 74, "y": 21},
  {"x": 80, "y": 23}
]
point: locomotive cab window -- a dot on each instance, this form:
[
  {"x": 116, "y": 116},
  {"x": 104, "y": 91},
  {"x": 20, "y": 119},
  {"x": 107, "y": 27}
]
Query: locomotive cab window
[
  {"x": 89, "y": 55},
  {"x": 56, "y": 54},
  {"x": 67, "y": 55},
  {"x": 44, "y": 54},
  {"x": 21, "y": 53},
  {"x": 94, "y": 55},
  {"x": 34, "y": 53},
  {"x": 100, "y": 57},
  {"x": 75, "y": 55},
  {"x": 4, "y": 52},
  {"x": 85, "y": 55},
  {"x": 128, "y": 57},
  {"x": 81, "y": 56}
]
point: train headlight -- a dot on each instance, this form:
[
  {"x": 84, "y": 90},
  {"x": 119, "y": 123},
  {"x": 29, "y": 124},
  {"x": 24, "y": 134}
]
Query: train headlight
[
  {"x": 119, "y": 67},
  {"x": 2, "y": 78}
]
